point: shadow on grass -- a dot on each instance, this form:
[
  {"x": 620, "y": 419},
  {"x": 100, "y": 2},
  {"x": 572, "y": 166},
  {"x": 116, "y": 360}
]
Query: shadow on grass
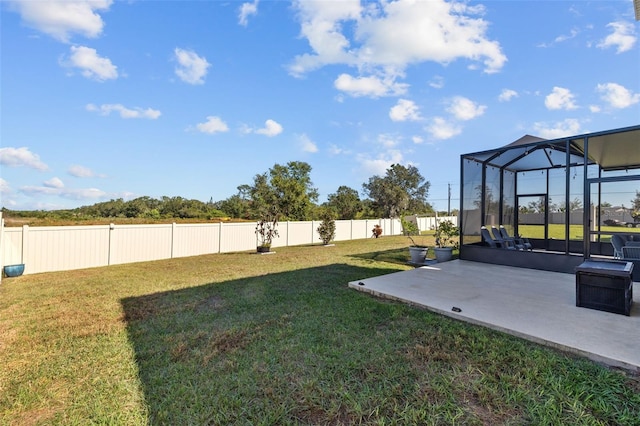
[{"x": 254, "y": 350}]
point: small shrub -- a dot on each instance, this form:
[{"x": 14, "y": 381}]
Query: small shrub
[
  {"x": 327, "y": 228},
  {"x": 266, "y": 228}
]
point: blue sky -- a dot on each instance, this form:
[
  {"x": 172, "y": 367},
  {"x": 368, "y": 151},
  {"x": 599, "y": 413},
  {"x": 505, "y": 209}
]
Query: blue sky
[{"x": 120, "y": 99}]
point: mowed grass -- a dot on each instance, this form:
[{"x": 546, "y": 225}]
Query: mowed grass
[
  {"x": 576, "y": 232},
  {"x": 275, "y": 340}
]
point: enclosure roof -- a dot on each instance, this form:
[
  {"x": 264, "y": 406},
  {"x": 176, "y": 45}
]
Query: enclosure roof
[{"x": 616, "y": 149}]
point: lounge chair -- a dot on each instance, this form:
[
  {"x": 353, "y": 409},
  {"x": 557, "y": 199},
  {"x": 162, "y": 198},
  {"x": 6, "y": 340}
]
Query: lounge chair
[
  {"x": 486, "y": 236},
  {"x": 517, "y": 240},
  {"x": 617, "y": 241},
  {"x": 506, "y": 242}
]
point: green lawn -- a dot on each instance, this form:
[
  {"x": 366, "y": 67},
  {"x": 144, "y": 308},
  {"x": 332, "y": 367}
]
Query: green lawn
[
  {"x": 556, "y": 231},
  {"x": 275, "y": 340}
]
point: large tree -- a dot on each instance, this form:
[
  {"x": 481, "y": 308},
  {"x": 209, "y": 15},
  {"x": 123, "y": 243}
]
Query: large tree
[
  {"x": 345, "y": 202},
  {"x": 287, "y": 189},
  {"x": 234, "y": 206},
  {"x": 402, "y": 190}
]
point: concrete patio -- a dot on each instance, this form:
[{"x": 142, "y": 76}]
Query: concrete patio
[{"x": 536, "y": 305}]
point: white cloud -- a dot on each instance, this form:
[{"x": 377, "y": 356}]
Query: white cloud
[
  {"x": 271, "y": 128},
  {"x": 106, "y": 109},
  {"x": 378, "y": 165},
  {"x": 437, "y": 82},
  {"x": 336, "y": 150},
  {"x": 417, "y": 139},
  {"x": 617, "y": 96},
  {"x": 623, "y": 37},
  {"x": 321, "y": 26},
  {"x": 405, "y": 110},
  {"x": 54, "y": 183},
  {"x": 83, "y": 194},
  {"x": 191, "y": 68},
  {"x": 465, "y": 109},
  {"x": 560, "y": 98},
  {"x": 61, "y": 18},
  {"x": 507, "y": 94},
  {"x": 389, "y": 36},
  {"x": 388, "y": 141},
  {"x": 92, "y": 65},
  {"x": 4, "y": 187},
  {"x": 40, "y": 190},
  {"x": 69, "y": 193},
  {"x": 369, "y": 86},
  {"x": 564, "y": 37},
  {"x": 442, "y": 129},
  {"x": 307, "y": 144},
  {"x": 17, "y": 157},
  {"x": 594, "y": 108},
  {"x": 560, "y": 129},
  {"x": 246, "y": 10},
  {"x": 82, "y": 172},
  {"x": 213, "y": 125}
]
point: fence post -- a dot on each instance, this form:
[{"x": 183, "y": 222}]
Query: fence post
[
  {"x": 173, "y": 232},
  {"x": 220, "y": 238},
  {"x": 25, "y": 235},
  {"x": 110, "y": 248}
]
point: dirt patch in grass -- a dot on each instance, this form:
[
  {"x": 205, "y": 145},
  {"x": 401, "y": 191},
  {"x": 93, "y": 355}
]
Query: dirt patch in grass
[{"x": 36, "y": 416}]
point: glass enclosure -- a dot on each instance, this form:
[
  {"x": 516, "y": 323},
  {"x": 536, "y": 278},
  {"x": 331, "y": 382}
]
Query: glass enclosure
[{"x": 567, "y": 195}]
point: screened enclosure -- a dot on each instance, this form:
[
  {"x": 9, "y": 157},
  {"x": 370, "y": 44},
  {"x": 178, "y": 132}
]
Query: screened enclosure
[{"x": 567, "y": 196}]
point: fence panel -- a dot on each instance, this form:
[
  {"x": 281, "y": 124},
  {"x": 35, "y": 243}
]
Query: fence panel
[
  {"x": 195, "y": 239},
  {"x": 12, "y": 246},
  {"x": 360, "y": 229},
  {"x": 300, "y": 233},
  {"x": 343, "y": 230},
  {"x": 140, "y": 243},
  {"x": 237, "y": 237},
  {"x": 64, "y": 248}
]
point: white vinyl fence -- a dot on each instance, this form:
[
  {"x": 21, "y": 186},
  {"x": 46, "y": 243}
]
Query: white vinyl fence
[{"x": 60, "y": 248}]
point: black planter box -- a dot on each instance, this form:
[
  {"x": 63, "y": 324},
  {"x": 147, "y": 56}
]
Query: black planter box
[{"x": 605, "y": 285}]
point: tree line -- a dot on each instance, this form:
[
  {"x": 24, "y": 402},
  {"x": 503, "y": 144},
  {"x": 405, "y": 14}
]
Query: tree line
[{"x": 285, "y": 190}]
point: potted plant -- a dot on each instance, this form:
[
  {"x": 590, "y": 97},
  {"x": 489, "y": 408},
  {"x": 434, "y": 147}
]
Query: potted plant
[
  {"x": 445, "y": 235},
  {"x": 327, "y": 228},
  {"x": 266, "y": 230},
  {"x": 418, "y": 252}
]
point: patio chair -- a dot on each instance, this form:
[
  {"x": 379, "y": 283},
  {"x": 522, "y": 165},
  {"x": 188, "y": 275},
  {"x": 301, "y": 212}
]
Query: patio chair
[
  {"x": 505, "y": 242},
  {"x": 631, "y": 252},
  {"x": 524, "y": 242},
  {"x": 486, "y": 236},
  {"x": 617, "y": 241}
]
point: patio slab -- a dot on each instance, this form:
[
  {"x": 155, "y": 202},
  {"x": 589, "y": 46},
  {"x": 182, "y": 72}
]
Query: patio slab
[{"x": 536, "y": 305}]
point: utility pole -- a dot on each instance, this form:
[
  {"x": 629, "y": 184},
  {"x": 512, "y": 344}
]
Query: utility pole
[{"x": 449, "y": 201}]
